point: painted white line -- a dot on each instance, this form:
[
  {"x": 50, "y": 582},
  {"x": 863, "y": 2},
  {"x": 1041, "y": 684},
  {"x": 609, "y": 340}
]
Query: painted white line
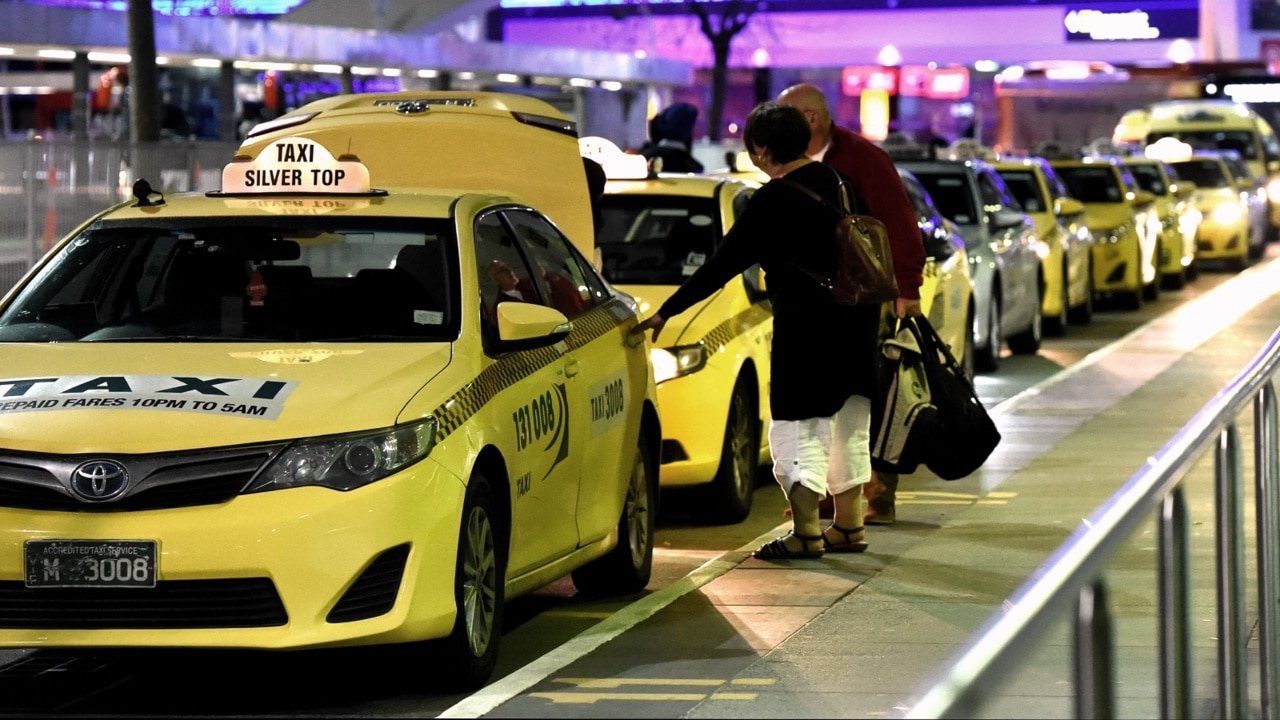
[{"x": 1258, "y": 284}]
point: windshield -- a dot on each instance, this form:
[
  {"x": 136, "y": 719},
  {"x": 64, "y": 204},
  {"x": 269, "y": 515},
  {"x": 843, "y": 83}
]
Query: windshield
[
  {"x": 950, "y": 192},
  {"x": 655, "y": 239},
  {"x": 1148, "y": 178},
  {"x": 1205, "y": 173},
  {"x": 1242, "y": 141},
  {"x": 1024, "y": 188},
  {"x": 219, "y": 279},
  {"x": 1092, "y": 183}
]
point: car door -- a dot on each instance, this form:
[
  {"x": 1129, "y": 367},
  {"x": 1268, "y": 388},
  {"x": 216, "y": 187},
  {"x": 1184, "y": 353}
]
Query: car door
[
  {"x": 541, "y": 392},
  {"x": 603, "y": 375}
]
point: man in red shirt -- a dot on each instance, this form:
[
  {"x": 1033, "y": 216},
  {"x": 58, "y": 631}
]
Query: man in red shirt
[{"x": 877, "y": 186}]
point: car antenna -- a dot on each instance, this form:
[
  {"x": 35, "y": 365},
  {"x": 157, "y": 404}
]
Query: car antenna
[{"x": 143, "y": 191}]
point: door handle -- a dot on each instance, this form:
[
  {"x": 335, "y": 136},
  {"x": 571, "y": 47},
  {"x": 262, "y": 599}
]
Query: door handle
[{"x": 572, "y": 368}]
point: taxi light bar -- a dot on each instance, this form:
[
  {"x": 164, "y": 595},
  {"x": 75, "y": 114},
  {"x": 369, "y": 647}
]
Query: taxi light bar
[
  {"x": 287, "y": 121},
  {"x": 295, "y": 165},
  {"x": 618, "y": 165}
]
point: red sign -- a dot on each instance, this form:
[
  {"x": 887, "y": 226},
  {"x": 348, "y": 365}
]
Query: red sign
[{"x": 947, "y": 83}]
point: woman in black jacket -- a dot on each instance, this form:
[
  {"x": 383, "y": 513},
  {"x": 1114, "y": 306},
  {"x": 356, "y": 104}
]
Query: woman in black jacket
[{"x": 823, "y": 354}]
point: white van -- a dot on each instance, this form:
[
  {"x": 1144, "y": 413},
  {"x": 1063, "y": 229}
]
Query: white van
[{"x": 1212, "y": 125}]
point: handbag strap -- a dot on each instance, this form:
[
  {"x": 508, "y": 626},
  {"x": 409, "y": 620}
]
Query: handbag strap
[
  {"x": 846, "y": 206},
  {"x": 930, "y": 341}
]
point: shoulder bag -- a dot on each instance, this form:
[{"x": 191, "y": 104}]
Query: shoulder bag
[
  {"x": 966, "y": 435},
  {"x": 904, "y": 419},
  {"x": 864, "y": 260}
]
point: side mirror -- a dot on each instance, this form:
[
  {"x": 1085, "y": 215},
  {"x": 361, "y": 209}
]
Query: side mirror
[
  {"x": 525, "y": 326},
  {"x": 1004, "y": 218},
  {"x": 1184, "y": 189},
  {"x": 1143, "y": 197},
  {"x": 1273, "y": 166},
  {"x": 1067, "y": 206}
]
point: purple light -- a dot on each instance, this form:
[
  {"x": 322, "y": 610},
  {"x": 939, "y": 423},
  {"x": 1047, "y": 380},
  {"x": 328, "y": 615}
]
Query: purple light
[{"x": 189, "y": 8}]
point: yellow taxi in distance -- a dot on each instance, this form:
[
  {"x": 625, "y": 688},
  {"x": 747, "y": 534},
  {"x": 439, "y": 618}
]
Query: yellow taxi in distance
[
  {"x": 311, "y": 410},
  {"x": 946, "y": 293},
  {"x": 1065, "y": 242},
  {"x": 1124, "y": 225},
  {"x": 1227, "y": 230},
  {"x": 713, "y": 368},
  {"x": 1179, "y": 217}
]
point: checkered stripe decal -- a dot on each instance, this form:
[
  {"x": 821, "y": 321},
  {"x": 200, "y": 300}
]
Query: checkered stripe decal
[
  {"x": 507, "y": 371},
  {"x": 722, "y": 334}
]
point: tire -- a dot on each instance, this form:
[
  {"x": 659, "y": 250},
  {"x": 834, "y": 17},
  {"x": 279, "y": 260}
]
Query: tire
[
  {"x": 1151, "y": 290},
  {"x": 1175, "y": 281},
  {"x": 471, "y": 650},
  {"x": 627, "y": 567},
  {"x": 969, "y": 361},
  {"x": 987, "y": 357},
  {"x": 1057, "y": 325},
  {"x": 1028, "y": 341},
  {"x": 1082, "y": 314},
  {"x": 1193, "y": 270},
  {"x": 728, "y": 498}
]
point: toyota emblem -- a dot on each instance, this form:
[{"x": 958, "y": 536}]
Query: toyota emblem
[{"x": 99, "y": 479}]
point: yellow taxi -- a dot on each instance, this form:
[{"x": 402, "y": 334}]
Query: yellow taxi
[
  {"x": 309, "y": 411},
  {"x": 1179, "y": 217},
  {"x": 1229, "y": 230},
  {"x": 1123, "y": 222},
  {"x": 1065, "y": 242},
  {"x": 946, "y": 295},
  {"x": 713, "y": 368}
]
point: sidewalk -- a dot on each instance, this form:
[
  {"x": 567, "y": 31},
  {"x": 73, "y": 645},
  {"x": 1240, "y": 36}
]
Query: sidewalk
[{"x": 857, "y": 635}]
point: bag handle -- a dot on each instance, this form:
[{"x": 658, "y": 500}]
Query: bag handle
[{"x": 930, "y": 341}]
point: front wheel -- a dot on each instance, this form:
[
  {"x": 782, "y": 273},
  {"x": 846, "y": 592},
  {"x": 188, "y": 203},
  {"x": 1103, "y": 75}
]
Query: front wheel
[
  {"x": 728, "y": 498},
  {"x": 627, "y": 567},
  {"x": 478, "y": 590},
  {"x": 1028, "y": 341},
  {"x": 988, "y": 356}
]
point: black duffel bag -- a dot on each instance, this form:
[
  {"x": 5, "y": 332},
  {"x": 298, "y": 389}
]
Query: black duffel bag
[{"x": 966, "y": 434}]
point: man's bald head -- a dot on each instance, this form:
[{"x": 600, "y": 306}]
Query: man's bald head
[
  {"x": 810, "y": 101},
  {"x": 806, "y": 98}
]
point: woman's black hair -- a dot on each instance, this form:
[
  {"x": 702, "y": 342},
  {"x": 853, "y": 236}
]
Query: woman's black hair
[{"x": 780, "y": 129}]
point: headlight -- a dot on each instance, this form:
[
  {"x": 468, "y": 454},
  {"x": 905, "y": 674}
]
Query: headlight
[
  {"x": 346, "y": 462},
  {"x": 674, "y": 362},
  {"x": 1226, "y": 213},
  {"x": 1273, "y": 190}
]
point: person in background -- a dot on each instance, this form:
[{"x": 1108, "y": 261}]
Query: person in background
[
  {"x": 671, "y": 139},
  {"x": 822, "y": 381},
  {"x": 875, "y": 182}
]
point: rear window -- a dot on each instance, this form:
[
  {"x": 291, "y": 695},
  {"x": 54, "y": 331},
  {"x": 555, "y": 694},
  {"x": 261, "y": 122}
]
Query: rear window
[
  {"x": 950, "y": 192},
  {"x": 1204, "y": 173},
  {"x": 655, "y": 239},
  {"x": 1092, "y": 183},
  {"x": 1242, "y": 141}
]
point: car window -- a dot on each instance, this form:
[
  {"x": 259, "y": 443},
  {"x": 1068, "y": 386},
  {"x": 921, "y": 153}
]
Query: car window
[
  {"x": 556, "y": 264},
  {"x": 950, "y": 192},
  {"x": 1149, "y": 178},
  {"x": 655, "y": 239},
  {"x": 1204, "y": 172},
  {"x": 296, "y": 278},
  {"x": 1242, "y": 141},
  {"x": 1025, "y": 189},
  {"x": 937, "y": 243},
  {"x": 1092, "y": 183},
  {"x": 994, "y": 197},
  {"x": 502, "y": 271}
]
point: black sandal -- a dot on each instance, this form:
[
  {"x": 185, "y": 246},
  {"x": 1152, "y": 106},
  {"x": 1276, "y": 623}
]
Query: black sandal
[
  {"x": 776, "y": 549},
  {"x": 848, "y": 544}
]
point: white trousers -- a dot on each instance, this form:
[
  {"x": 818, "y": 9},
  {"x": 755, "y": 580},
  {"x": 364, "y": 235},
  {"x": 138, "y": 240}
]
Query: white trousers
[{"x": 826, "y": 455}]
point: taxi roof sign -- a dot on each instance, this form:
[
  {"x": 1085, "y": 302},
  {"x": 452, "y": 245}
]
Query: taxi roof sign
[
  {"x": 618, "y": 165},
  {"x": 295, "y": 165}
]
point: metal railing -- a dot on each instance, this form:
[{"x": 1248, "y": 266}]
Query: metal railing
[
  {"x": 1072, "y": 578},
  {"x": 47, "y": 188}
]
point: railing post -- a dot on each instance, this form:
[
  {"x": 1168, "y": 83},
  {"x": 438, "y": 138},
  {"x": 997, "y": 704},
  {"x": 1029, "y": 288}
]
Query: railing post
[
  {"x": 1174, "y": 593},
  {"x": 1267, "y": 470},
  {"x": 29, "y": 192},
  {"x": 1229, "y": 535},
  {"x": 1094, "y": 672}
]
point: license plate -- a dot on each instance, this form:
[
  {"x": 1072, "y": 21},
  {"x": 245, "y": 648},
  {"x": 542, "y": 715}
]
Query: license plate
[{"x": 90, "y": 563}]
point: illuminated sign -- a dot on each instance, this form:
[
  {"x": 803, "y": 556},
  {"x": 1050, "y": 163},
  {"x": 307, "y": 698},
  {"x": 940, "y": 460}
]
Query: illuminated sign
[
  {"x": 1150, "y": 21},
  {"x": 926, "y": 81}
]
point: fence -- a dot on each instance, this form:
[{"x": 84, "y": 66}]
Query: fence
[
  {"x": 1073, "y": 578},
  {"x": 48, "y": 188}
]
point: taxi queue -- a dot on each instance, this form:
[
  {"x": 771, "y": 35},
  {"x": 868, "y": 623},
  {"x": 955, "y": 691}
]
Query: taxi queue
[{"x": 371, "y": 389}]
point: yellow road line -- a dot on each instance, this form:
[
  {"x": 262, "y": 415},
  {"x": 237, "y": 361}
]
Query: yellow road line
[{"x": 572, "y": 698}]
